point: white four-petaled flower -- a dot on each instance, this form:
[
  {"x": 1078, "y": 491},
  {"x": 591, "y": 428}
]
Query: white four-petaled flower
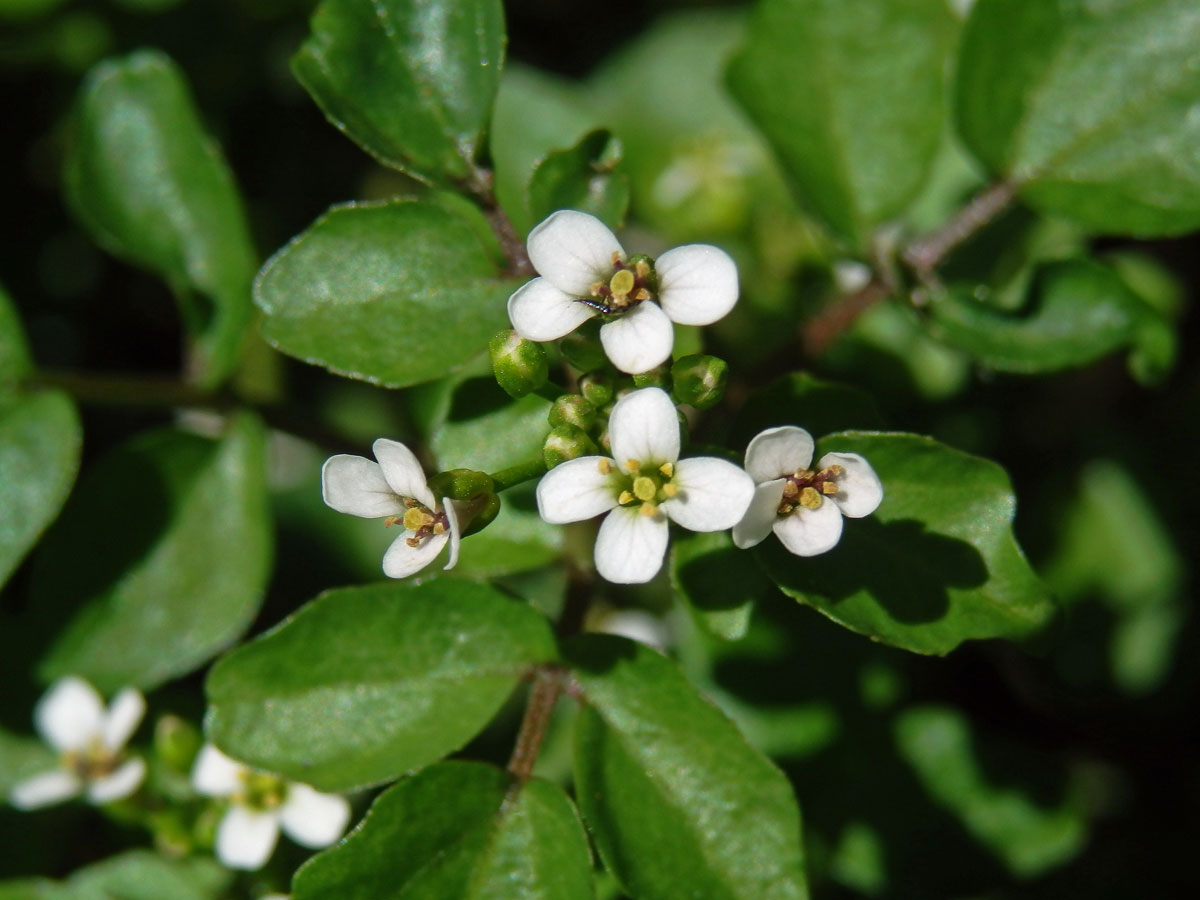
[
  {"x": 259, "y": 804},
  {"x": 803, "y": 506},
  {"x": 642, "y": 485},
  {"x": 584, "y": 272},
  {"x": 90, "y": 740},
  {"x": 395, "y": 488}
]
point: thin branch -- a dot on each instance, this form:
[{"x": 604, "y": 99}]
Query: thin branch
[
  {"x": 824, "y": 328},
  {"x": 929, "y": 251},
  {"x": 480, "y": 185},
  {"x": 547, "y": 688}
]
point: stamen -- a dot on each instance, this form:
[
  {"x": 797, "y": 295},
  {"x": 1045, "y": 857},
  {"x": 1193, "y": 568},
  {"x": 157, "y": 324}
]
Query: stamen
[
  {"x": 616, "y": 260},
  {"x": 625, "y": 497},
  {"x": 648, "y": 509},
  {"x": 604, "y": 466},
  {"x": 410, "y": 502},
  {"x": 642, "y": 294},
  {"x": 667, "y": 469},
  {"x": 439, "y": 528},
  {"x": 392, "y": 520},
  {"x": 789, "y": 489},
  {"x": 632, "y": 465},
  {"x": 643, "y": 269},
  {"x": 810, "y": 498},
  {"x": 829, "y": 487},
  {"x": 670, "y": 490},
  {"x": 413, "y": 541}
]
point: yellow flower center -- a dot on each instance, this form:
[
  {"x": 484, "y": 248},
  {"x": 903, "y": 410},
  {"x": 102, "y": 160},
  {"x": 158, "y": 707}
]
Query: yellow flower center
[{"x": 808, "y": 488}]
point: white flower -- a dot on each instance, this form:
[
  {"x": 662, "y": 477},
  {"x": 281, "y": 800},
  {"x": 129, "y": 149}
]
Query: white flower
[
  {"x": 584, "y": 272},
  {"x": 71, "y": 718},
  {"x": 261, "y": 803},
  {"x": 803, "y": 506},
  {"x": 642, "y": 485},
  {"x": 395, "y": 488}
]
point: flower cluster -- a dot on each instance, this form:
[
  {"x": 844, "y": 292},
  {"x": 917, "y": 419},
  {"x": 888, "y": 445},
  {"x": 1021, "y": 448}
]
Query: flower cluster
[{"x": 260, "y": 804}]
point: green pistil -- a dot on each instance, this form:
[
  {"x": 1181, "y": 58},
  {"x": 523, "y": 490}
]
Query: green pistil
[{"x": 261, "y": 791}]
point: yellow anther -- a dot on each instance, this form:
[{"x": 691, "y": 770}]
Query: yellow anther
[
  {"x": 632, "y": 465},
  {"x": 624, "y": 498},
  {"x": 643, "y": 269},
  {"x": 439, "y": 528},
  {"x": 616, "y": 259},
  {"x": 648, "y": 509},
  {"x": 414, "y": 519},
  {"x": 829, "y": 487},
  {"x": 836, "y": 471},
  {"x": 410, "y": 502},
  {"x": 597, "y": 288},
  {"x": 604, "y": 466},
  {"x": 642, "y": 294},
  {"x": 790, "y": 490},
  {"x": 667, "y": 469},
  {"x": 644, "y": 488},
  {"x": 670, "y": 490},
  {"x": 392, "y": 520},
  {"x": 810, "y": 498},
  {"x": 413, "y": 542},
  {"x": 622, "y": 283}
]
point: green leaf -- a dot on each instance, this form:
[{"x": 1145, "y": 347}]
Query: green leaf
[
  {"x": 161, "y": 558},
  {"x": 718, "y": 582},
  {"x": 1029, "y": 837},
  {"x": 1077, "y": 312},
  {"x": 410, "y": 81},
  {"x": 814, "y": 404},
  {"x": 458, "y": 829},
  {"x": 586, "y": 176},
  {"x": 850, "y": 95},
  {"x": 517, "y": 540},
  {"x": 482, "y": 428},
  {"x": 395, "y": 293},
  {"x": 935, "y": 565},
  {"x": 152, "y": 187},
  {"x": 21, "y": 757},
  {"x": 15, "y": 359},
  {"x": 1088, "y": 107},
  {"x": 143, "y": 875},
  {"x": 40, "y": 437},
  {"x": 365, "y": 684},
  {"x": 678, "y": 803}
]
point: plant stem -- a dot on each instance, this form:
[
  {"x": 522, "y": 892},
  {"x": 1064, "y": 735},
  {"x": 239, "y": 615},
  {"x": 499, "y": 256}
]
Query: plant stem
[
  {"x": 926, "y": 253},
  {"x": 480, "y": 184},
  {"x": 543, "y": 696},
  {"x": 824, "y": 328},
  {"x": 518, "y": 474}
]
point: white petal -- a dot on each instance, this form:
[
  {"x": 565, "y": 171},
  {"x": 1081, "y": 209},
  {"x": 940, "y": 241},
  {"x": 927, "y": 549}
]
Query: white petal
[
  {"x": 401, "y": 560},
  {"x": 455, "y": 532},
  {"x": 808, "y": 532},
  {"x": 573, "y": 251},
  {"x": 124, "y": 715},
  {"x": 777, "y": 452},
  {"x": 119, "y": 784},
  {"x": 577, "y": 489},
  {"x": 356, "y": 486},
  {"x": 713, "y": 494},
  {"x": 214, "y": 774},
  {"x": 541, "y": 312},
  {"x": 45, "y": 789},
  {"x": 403, "y": 473},
  {"x": 697, "y": 283},
  {"x": 639, "y": 340},
  {"x": 312, "y": 818},
  {"x": 70, "y": 714},
  {"x": 859, "y": 490},
  {"x": 761, "y": 516},
  {"x": 644, "y": 426},
  {"x": 630, "y": 547},
  {"x": 246, "y": 838}
]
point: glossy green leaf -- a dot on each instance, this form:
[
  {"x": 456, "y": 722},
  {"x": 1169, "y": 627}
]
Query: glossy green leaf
[
  {"x": 517, "y": 540},
  {"x": 15, "y": 360},
  {"x": 21, "y": 757},
  {"x": 40, "y": 437},
  {"x": 35, "y": 889},
  {"x": 679, "y": 805},
  {"x": 143, "y": 875},
  {"x": 587, "y": 176},
  {"x": 410, "y": 81},
  {"x": 365, "y": 684},
  {"x": 1089, "y": 106},
  {"x": 395, "y": 293},
  {"x": 935, "y": 565},
  {"x": 1031, "y": 838},
  {"x": 1077, "y": 312},
  {"x": 718, "y": 582},
  {"x": 175, "y": 571},
  {"x": 152, "y": 187},
  {"x": 483, "y": 428},
  {"x": 850, "y": 95},
  {"x": 458, "y": 829}
]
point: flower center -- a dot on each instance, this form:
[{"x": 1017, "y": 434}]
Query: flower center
[
  {"x": 632, "y": 282},
  {"x": 93, "y": 761},
  {"x": 807, "y": 488},
  {"x": 421, "y": 520},
  {"x": 260, "y": 791},
  {"x": 645, "y": 486}
]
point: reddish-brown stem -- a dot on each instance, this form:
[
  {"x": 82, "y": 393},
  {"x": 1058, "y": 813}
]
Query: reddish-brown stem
[
  {"x": 547, "y": 687},
  {"x": 480, "y": 185},
  {"x": 926, "y": 253},
  {"x": 824, "y": 328}
]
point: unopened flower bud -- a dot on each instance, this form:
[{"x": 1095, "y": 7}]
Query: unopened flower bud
[
  {"x": 566, "y": 442},
  {"x": 519, "y": 365},
  {"x": 473, "y": 494},
  {"x": 699, "y": 380},
  {"x": 656, "y": 377},
  {"x": 571, "y": 409},
  {"x": 597, "y": 387}
]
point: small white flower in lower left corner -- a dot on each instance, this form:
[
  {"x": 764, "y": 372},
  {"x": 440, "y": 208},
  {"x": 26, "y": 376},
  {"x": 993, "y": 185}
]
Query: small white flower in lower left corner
[
  {"x": 90, "y": 739},
  {"x": 259, "y": 805}
]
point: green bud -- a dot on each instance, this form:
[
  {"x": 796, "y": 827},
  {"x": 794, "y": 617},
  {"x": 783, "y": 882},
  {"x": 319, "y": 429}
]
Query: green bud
[
  {"x": 519, "y": 365},
  {"x": 566, "y": 442},
  {"x": 597, "y": 387},
  {"x": 176, "y": 743},
  {"x": 656, "y": 377},
  {"x": 699, "y": 380},
  {"x": 474, "y": 496},
  {"x": 571, "y": 409}
]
